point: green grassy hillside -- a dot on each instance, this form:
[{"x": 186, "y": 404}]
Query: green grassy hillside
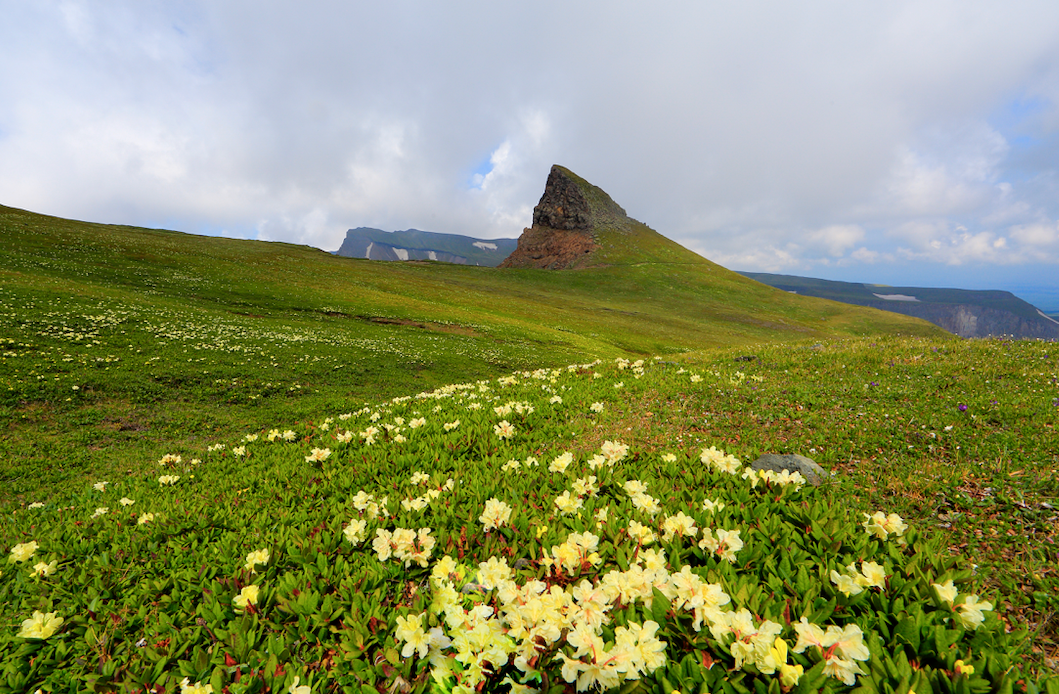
[
  {"x": 206, "y": 444},
  {"x": 190, "y": 335}
]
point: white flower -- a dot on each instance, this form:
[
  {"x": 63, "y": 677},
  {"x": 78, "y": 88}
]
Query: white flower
[{"x": 596, "y": 407}]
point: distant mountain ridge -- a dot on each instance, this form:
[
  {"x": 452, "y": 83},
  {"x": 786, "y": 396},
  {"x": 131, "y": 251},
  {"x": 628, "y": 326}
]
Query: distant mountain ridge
[
  {"x": 963, "y": 312},
  {"x": 414, "y": 244}
]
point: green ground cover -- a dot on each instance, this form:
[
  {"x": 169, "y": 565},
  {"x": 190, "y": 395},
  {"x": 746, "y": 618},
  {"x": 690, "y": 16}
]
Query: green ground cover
[
  {"x": 122, "y": 349},
  {"x": 148, "y": 600}
]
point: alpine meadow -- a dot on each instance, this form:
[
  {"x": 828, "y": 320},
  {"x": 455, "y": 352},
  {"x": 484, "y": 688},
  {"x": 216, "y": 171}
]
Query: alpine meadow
[{"x": 239, "y": 466}]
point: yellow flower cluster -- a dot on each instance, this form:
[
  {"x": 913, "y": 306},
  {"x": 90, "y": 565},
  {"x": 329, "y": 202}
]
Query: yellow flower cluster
[
  {"x": 22, "y": 552},
  {"x": 641, "y": 533},
  {"x": 723, "y": 543},
  {"x": 614, "y": 451},
  {"x": 247, "y": 596},
  {"x": 404, "y": 545},
  {"x": 782, "y": 478},
  {"x": 871, "y": 575},
  {"x": 841, "y": 648},
  {"x": 40, "y": 626},
  {"x": 568, "y": 504},
  {"x": 641, "y": 500},
  {"x": 496, "y": 514},
  {"x": 374, "y": 508},
  {"x": 561, "y": 462},
  {"x": 679, "y": 525},
  {"x": 256, "y": 557},
  {"x": 356, "y": 531},
  {"x": 578, "y": 552},
  {"x": 318, "y": 455},
  {"x": 881, "y": 525},
  {"x": 186, "y": 687},
  {"x": 720, "y": 461}
]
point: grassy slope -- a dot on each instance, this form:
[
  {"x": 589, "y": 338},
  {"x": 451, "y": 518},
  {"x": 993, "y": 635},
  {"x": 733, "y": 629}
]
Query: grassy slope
[
  {"x": 243, "y": 332},
  {"x": 174, "y": 342}
]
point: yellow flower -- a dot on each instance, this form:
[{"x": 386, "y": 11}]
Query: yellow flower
[
  {"x": 126, "y": 501},
  {"x": 44, "y": 570},
  {"x": 504, "y": 429},
  {"x": 496, "y": 514},
  {"x": 355, "y": 531},
  {"x": 963, "y": 668},
  {"x": 561, "y": 462},
  {"x": 946, "y": 591},
  {"x": 145, "y": 518},
  {"x": 790, "y": 674},
  {"x": 40, "y": 625},
  {"x": 295, "y": 689},
  {"x": 318, "y": 455},
  {"x": 970, "y": 613},
  {"x": 872, "y": 575},
  {"x": 198, "y": 688},
  {"x": 260, "y": 556},
  {"x": 100, "y": 486},
  {"x": 247, "y": 596},
  {"x": 22, "y": 552}
]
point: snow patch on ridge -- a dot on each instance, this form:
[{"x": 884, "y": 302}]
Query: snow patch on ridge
[
  {"x": 896, "y": 297},
  {"x": 1045, "y": 315},
  {"x": 484, "y": 246},
  {"x": 402, "y": 253}
]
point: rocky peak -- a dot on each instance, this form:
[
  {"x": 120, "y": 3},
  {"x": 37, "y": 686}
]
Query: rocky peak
[
  {"x": 563, "y": 205},
  {"x": 565, "y": 223}
]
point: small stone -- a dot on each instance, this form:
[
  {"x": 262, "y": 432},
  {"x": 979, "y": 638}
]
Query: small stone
[{"x": 776, "y": 462}]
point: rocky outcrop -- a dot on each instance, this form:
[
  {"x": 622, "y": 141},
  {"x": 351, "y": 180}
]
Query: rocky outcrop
[
  {"x": 792, "y": 462},
  {"x": 565, "y": 224}
]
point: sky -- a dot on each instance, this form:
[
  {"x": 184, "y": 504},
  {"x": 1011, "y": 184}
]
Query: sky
[{"x": 904, "y": 143}]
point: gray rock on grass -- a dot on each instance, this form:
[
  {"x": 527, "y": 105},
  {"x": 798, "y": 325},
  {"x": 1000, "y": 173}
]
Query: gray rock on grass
[{"x": 776, "y": 462}]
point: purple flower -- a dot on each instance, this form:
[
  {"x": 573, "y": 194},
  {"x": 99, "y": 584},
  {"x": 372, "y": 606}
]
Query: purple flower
[{"x": 963, "y": 408}]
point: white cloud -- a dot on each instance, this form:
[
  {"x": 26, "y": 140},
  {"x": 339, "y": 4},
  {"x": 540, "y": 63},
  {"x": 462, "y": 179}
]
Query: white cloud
[
  {"x": 820, "y": 136},
  {"x": 837, "y": 238}
]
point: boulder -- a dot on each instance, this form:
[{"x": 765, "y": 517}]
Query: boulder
[{"x": 776, "y": 462}]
